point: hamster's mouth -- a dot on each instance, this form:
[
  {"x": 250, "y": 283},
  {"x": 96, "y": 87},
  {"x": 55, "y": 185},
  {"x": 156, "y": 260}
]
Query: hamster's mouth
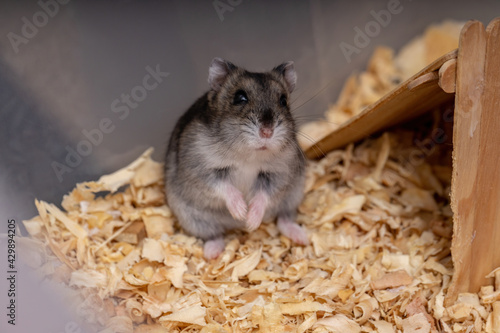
[{"x": 262, "y": 148}]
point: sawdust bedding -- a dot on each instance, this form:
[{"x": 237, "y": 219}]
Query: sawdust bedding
[{"x": 378, "y": 220}]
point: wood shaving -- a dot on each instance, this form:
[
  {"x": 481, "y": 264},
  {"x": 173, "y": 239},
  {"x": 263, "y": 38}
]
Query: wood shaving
[{"x": 392, "y": 280}]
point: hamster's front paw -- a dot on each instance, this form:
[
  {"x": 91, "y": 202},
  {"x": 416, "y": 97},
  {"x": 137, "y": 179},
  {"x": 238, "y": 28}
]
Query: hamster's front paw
[
  {"x": 235, "y": 203},
  {"x": 293, "y": 231},
  {"x": 256, "y": 211}
]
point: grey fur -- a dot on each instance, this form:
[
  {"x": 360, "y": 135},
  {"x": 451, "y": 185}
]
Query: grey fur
[{"x": 216, "y": 141}]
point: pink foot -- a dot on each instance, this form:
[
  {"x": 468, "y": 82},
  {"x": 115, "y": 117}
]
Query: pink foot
[
  {"x": 292, "y": 230},
  {"x": 256, "y": 211},
  {"x": 235, "y": 203},
  {"x": 213, "y": 248}
]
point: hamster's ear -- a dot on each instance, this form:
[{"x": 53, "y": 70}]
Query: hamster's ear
[
  {"x": 288, "y": 71},
  {"x": 218, "y": 71}
]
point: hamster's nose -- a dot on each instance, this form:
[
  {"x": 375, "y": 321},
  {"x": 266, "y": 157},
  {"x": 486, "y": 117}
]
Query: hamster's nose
[{"x": 266, "y": 132}]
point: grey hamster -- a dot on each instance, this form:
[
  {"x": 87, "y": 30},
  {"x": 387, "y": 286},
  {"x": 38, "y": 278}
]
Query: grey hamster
[{"x": 233, "y": 157}]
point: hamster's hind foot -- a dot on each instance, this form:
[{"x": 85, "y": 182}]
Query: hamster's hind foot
[
  {"x": 292, "y": 230},
  {"x": 213, "y": 248}
]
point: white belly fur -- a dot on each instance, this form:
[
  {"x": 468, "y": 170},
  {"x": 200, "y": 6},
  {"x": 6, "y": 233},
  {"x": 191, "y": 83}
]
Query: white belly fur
[{"x": 244, "y": 178}]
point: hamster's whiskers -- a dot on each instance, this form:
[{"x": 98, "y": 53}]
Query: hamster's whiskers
[
  {"x": 311, "y": 98},
  {"x": 307, "y": 137}
]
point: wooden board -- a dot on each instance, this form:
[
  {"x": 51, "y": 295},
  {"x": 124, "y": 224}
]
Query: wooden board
[
  {"x": 476, "y": 158},
  {"x": 413, "y": 97}
]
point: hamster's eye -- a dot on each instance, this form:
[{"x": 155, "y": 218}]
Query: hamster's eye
[
  {"x": 240, "y": 98},
  {"x": 283, "y": 100}
]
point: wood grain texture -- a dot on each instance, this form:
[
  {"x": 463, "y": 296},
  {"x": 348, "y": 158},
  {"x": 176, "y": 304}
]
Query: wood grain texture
[
  {"x": 410, "y": 99},
  {"x": 487, "y": 201},
  {"x": 470, "y": 262}
]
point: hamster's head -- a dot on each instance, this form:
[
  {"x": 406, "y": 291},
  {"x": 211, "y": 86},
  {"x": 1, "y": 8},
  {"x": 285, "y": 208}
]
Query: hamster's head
[{"x": 252, "y": 110}]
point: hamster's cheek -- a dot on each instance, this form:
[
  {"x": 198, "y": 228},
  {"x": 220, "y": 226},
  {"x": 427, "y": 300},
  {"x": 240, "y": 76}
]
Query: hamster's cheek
[{"x": 250, "y": 138}]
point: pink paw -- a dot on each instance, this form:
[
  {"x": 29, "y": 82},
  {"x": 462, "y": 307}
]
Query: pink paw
[
  {"x": 235, "y": 203},
  {"x": 213, "y": 248},
  {"x": 256, "y": 211},
  {"x": 293, "y": 231}
]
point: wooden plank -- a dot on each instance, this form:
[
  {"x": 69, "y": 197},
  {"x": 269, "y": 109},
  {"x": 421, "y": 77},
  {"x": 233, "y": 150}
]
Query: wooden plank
[
  {"x": 465, "y": 190},
  {"x": 408, "y": 100},
  {"x": 486, "y": 257}
]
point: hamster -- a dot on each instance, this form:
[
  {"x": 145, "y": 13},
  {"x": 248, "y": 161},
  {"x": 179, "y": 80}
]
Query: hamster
[{"x": 233, "y": 159}]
